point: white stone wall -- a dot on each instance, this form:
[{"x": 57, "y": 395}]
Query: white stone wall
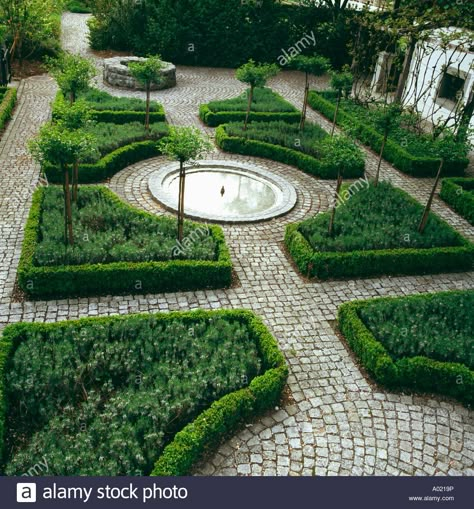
[{"x": 426, "y": 74}]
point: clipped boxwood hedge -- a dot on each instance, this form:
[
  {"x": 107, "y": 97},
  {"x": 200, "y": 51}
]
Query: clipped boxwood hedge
[
  {"x": 226, "y": 415},
  {"x": 459, "y": 194},
  {"x": 404, "y": 261},
  {"x": 117, "y": 116},
  {"x": 223, "y": 417},
  {"x": 420, "y": 373},
  {"x": 214, "y": 119},
  {"x": 118, "y": 277},
  {"x": 393, "y": 152},
  {"x": 283, "y": 155},
  {"x": 8, "y": 103},
  {"x": 109, "y": 165}
]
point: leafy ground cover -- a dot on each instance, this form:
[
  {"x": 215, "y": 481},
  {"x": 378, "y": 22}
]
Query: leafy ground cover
[
  {"x": 99, "y": 100},
  {"x": 264, "y": 100},
  {"x": 281, "y": 133},
  {"x": 459, "y": 194},
  {"x": 421, "y": 343},
  {"x": 441, "y": 329},
  {"x": 105, "y": 396},
  {"x": 109, "y": 137},
  {"x": 381, "y": 217},
  {"x": 105, "y": 233}
]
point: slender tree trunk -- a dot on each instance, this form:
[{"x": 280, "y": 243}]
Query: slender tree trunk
[
  {"x": 402, "y": 80},
  {"x": 249, "y": 107},
  {"x": 424, "y": 219},
  {"x": 75, "y": 181},
  {"x": 72, "y": 97},
  {"x": 305, "y": 103},
  {"x": 377, "y": 173},
  {"x": 69, "y": 236},
  {"x": 333, "y": 213},
  {"x": 182, "y": 176},
  {"x": 334, "y": 120},
  {"x": 147, "y": 114},
  {"x": 467, "y": 112}
]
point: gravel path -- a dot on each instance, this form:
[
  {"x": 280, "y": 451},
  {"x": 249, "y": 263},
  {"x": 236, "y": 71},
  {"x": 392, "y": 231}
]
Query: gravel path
[{"x": 337, "y": 422}]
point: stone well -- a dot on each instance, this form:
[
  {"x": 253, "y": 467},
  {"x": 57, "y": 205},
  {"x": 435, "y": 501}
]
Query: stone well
[{"x": 117, "y": 74}]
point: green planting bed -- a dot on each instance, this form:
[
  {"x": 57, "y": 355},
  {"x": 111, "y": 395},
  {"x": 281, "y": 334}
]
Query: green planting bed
[
  {"x": 459, "y": 194},
  {"x": 132, "y": 395},
  {"x": 375, "y": 233},
  {"x": 308, "y": 150},
  {"x": 117, "y": 146},
  {"x": 266, "y": 106},
  {"x": 410, "y": 153},
  {"x": 118, "y": 249},
  {"x": 117, "y": 110},
  {"x": 422, "y": 343}
]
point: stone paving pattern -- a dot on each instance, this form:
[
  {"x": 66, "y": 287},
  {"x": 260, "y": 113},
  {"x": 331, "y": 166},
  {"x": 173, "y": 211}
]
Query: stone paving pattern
[{"x": 336, "y": 421}]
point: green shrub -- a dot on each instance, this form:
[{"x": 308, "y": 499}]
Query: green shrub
[
  {"x": 161, "y": 371},
  {"x": 266, "y": 106},
  {"x": 114, "y": 277},
  {"x": 109, "y": 165},
  {"x": 458, "y": 193},
  {"x": 421, "y": 343},
  {"x": 408, "y": 152},
  {"x": 232, "y": 138},
  {"x": 78, "y": 7},
  {"x": 8, "y": 101},
  {"x": 375, "y": 233}
]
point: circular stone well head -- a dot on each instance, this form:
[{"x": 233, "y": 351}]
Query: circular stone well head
[
  {"x": 117, "y": 74},
  {"x": 224, "y": 191}
]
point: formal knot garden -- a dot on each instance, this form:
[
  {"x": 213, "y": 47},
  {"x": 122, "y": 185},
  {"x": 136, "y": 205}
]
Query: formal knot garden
[{"x": 233, "y": 265}]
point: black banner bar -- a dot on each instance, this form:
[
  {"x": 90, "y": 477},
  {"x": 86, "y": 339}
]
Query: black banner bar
[{"x": 237, "y": 492}]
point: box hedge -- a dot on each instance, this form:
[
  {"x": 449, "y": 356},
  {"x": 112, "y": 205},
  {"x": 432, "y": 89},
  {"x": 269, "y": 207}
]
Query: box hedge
[
  {"x": 108, "y": 165},
  {"x": 419, "y": 374},
  {"x": 459, "y": 194},
  {"x": 226, "y": 415},
  {"x": 8, "y": 95},
  {"x": 118, "y": 277},
  {"x": 284, "y": 155},
  {"x": 393, "y": 152},
  {"x": 214, "y": 119},
  {"x": 404, "y": 261},
  {"x": 221, "y": 419}
]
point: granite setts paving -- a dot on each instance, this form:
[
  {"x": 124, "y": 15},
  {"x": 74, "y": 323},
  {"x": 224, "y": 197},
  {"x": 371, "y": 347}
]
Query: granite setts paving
[{"x": 335, "y": 421}]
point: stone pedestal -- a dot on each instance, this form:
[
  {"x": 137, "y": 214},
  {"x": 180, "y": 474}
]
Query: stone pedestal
[{"x": 117, "y": 74}]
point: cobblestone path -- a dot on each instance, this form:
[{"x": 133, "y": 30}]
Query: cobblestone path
[{"x": 337, "y": 422}]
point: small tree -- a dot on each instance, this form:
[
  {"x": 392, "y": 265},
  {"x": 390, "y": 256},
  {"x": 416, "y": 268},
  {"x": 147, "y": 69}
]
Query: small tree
[
  {"x": 255, "y": 75},
  {"x": 316, "y": 66},
  {"x": 147, "y": 73},
  {"x": 341, "y": 82},
  {"x": 74, "y": 117},
  {"x": 387, "y": 119},
  {"x": 73, "y": 74},
  {"x": 62, "y": 147},
  {"x": 447, "y": 147},
  {"x": 184, "y": 144},
  {"x": 340, "y": 152}
]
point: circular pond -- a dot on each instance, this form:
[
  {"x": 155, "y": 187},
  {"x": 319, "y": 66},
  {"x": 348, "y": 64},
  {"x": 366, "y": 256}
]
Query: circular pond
[{"x": 224, "y": 191}]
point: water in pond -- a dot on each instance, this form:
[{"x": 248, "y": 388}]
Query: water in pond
[{"x": 224, "y": 193}]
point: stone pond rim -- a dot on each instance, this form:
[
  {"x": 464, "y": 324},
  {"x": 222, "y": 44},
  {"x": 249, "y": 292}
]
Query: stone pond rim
[{"x": 117, "y": 74}]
